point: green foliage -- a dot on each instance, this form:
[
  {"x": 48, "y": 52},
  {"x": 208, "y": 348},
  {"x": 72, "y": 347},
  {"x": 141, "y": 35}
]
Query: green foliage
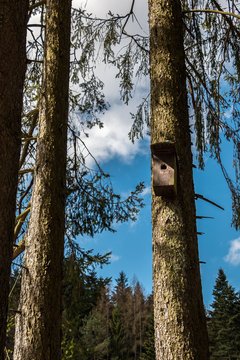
[
  {"x": 95, "y": 337},
  {"x": 81, "y": 291},
  {"x": 100, "y": 324},
  {"x": 81, "y": 286},
  {"x": 148, "y": 352},
  {"x": 118, "y": 337},
  {"x": 92, "y": 205},
  {"x": 224, "y": 321},
  {"x": 140, "y": 119},
  {"x": 213, "y": 73},
  {"x": 97, "y": 323}
]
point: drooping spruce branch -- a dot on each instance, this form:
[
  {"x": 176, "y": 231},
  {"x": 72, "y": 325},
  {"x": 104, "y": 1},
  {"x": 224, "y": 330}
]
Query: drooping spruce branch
[{"x": 211, "y": 11}]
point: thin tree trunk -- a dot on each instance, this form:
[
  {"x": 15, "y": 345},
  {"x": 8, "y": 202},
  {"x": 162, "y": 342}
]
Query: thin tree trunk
[
  {"x": 38, "y": 327},
  {"x": 13, "y": 19},
  {"x": 180, "y": 328}
]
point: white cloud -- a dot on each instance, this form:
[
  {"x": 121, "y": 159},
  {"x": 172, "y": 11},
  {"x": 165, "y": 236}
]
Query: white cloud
[
  {"x": 114, "y": 258},
  {"x": 112, "y": 140},
  {"x": 233, "y": 256}
]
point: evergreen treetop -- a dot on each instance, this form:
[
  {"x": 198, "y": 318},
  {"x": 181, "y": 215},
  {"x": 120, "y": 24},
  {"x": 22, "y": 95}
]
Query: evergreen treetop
[{"x": 224, "y": 321}]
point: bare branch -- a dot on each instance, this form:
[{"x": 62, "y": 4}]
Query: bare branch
[
  {"x": 128, "y": 16},
  {"x": 20, "y": 248},
  {"x": 22, "y": 215},
  {"x": 199, "y": 196},
  {"x": 34, "y": 115},
  {"x": 211, "y": 11},
  {"x": 25, "y": 171},
  {"x": 34, "y": 6}
]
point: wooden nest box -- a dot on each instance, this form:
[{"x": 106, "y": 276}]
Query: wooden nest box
[{"x": 164, "y": 169}]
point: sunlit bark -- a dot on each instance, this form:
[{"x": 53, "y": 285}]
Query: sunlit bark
[
  {"x": 180, "y": 329},
  {"x": 38, "y": 325}
]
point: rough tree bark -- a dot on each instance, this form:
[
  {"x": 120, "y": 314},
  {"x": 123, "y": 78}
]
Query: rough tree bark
[
  {"x": 13, "y": 20},
  {"x": 180, "y": 328},
  {"x": 38, "y": 326}
]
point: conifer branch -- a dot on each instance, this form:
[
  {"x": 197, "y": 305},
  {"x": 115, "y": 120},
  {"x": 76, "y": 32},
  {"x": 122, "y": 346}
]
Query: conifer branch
[
  {"x": 204, "y": 217},
  {"x": 6, "y": 352},
  {"x": 28, "y": 138},
  {"x": 228, "y": 19},
  {"x": 20, "y": 248},
  {"x": 16, "y": 311},
  {"x": 128, "y": 16},
  {"x": 25, "y": 194},
  {"x": 198, "y": 76},
  {"x": 212, "y": 11},
  {"x": 20, "y": 223},
  {"x": 25, "y": 171},
  {"x": 34, "y": 115},
  {"x": 133, "y": 37},
  {"x": 199, "y": 196},
  {"x": 34, "y": 6},
  {"x": 26, "y": 211},
  {"x": 14, "y": 285}
]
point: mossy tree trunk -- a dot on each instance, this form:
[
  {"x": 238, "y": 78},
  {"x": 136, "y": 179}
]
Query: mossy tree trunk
[
  {"x": 38, "y": 326},
  {"x": 13, "y": 19},
  {"x": 180, "y": 329}
]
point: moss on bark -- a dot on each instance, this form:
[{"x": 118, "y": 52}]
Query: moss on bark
[
  {"x": 13, "y": 18},
  {"x": 180, "y": 329},
  {"x": 38, "y": 326}
]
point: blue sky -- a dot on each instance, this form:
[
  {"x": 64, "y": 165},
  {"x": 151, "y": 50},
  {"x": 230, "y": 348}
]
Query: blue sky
[
  {"x": 131, "y": 245},
  {"x": 129, "y": 164}
]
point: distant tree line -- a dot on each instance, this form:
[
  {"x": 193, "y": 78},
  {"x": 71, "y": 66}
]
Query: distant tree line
[
  {"x": 98, "y": 322},
  {"x": 101, "y": 322}
]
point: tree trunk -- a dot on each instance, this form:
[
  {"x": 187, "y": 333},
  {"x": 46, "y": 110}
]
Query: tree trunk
[
  {"x": 38, "y": 327},
  {"x": 13, "y": 19},
  {"x": 180, "y": 328}
]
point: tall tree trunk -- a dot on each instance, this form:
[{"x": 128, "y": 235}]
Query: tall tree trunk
[
  {"x": 38, "y": 326},
  {"x": 180, "y": 328},
  {"x": 13, "y": 19}
]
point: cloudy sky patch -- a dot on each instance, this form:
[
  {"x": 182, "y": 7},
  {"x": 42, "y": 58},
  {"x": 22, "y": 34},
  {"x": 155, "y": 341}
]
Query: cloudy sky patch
[
  {"x": 233, "y": 256},
  {"x": 114, "y": 258},
  {"x": 112, "y": 140}
]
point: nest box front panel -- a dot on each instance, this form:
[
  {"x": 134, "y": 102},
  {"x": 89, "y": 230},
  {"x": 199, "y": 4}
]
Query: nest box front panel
[{"x": 164, "y": 170}]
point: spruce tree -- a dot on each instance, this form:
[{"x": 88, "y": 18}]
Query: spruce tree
[
  {"x": 139, "y": 319},
  {"x": 94, "y": 337},
  {"x": 122, "y": 297},
  {"x": 81, "y": 292},
  {"x": 224, "y": 322},
  {"x": 118, "y": 336},
  {"x": 148, "y": 352}
]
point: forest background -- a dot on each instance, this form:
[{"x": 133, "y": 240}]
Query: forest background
[
  {"x": 128, "y": 163},
  {"x": 118, "y": 158}
]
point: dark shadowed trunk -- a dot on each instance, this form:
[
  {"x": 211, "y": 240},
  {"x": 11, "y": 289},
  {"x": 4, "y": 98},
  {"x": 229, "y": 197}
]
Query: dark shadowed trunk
[
  {"x": 180, "y": 329},
  {"x": 13, "y": 18},
  {"x": 38, "y": 326}
]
